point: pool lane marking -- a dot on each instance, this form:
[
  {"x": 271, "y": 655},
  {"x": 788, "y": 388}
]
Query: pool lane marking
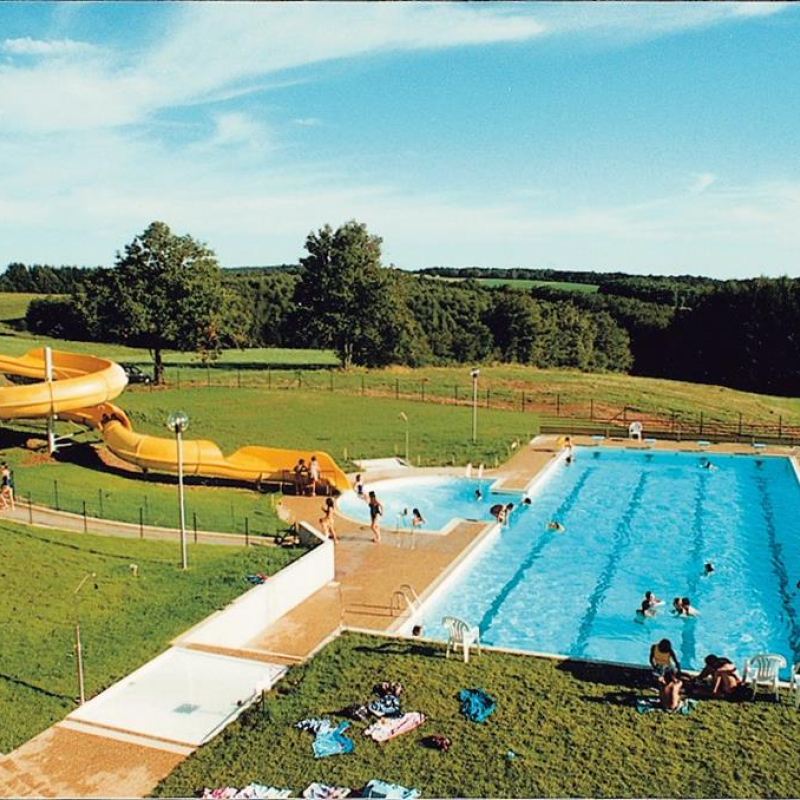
[
  {"x": 565, "y": 507},
  {"x": 622, "y": 538},
  {"x": 779, "y": 568},
  {"x": 688, "y": 639}
]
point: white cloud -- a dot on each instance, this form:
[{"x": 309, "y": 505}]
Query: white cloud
[
  {"x": 46, "y": 47},
  {"x": 702, "y": 181}
]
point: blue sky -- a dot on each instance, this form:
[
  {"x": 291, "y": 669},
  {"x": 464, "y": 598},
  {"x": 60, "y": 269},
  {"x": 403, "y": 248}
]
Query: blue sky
[{"x": 641, "y": 137}]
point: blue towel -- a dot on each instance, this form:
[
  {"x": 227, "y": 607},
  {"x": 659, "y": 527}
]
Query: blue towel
[
  {"x": 476, "y": 705},
  {"x": 391, "y": 791},
  {"x": 332, "y": 743}
]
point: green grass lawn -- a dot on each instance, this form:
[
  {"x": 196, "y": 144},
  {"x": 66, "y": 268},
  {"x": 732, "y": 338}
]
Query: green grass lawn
[
  {"x": 125, "y": 621},
  {"x": 572, "y": 725},
  {"x": 14, "y": 305}
]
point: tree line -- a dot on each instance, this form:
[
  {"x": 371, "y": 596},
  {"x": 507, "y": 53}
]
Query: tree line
[{"x": 168, "y": 291}]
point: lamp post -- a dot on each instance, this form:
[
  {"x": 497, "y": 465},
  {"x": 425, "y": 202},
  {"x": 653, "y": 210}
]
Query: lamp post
[
  {"x": 405, "y": 419},
  {"x": 474, "y": 375},
  {"x": 78, "y": 648},
  {"x": 178, "y": 422}
]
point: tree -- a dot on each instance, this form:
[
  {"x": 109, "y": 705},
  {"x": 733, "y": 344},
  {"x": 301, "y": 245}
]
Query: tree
[
  {"x": 165, "y": 291},
  {"x": 347, "y": 301}
]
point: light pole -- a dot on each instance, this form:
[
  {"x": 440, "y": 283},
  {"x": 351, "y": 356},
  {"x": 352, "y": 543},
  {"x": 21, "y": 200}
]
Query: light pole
[
  {"x": 474, "y": 374},
  {"x": 405, "y": 419},
  {"x": 178, "y": 422},
  {"x": 78, "y": 648}
]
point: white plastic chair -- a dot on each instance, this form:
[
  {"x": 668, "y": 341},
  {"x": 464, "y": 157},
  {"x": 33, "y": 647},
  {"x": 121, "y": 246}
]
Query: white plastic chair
[
  {"x": 461, "y": 635},
  {"x": 762, "y": 670},
  {"x": 635, "y": 430},
  {"x": 796, "y": 684}
]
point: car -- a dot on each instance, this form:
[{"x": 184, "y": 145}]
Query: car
[{"x": 135, "y": 374}]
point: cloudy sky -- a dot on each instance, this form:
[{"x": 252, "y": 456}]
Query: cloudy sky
[{"x": 647, "y": 138}]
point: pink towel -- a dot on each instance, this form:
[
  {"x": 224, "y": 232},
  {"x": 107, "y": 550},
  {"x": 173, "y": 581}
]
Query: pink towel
[{"x": 388, "y": 727}]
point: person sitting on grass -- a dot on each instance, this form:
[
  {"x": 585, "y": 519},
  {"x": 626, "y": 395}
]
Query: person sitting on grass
[
  {"x": 669, "y": 691},
  {"x": 724, "y": 682},
  {"x": 662, "y": 657}
]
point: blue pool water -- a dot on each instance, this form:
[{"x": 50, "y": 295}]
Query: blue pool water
[
  {"x": 438, "y": 499},
  {"x": 637, "y": 521}
]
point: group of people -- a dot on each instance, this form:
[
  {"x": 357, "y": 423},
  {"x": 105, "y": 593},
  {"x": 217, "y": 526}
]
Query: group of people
[
  {"x": 6, "y": 487},
  {"x": 307, "y": 477},
  {"x": 717, "y": 679},
  {"x": 681, "y": 607}
]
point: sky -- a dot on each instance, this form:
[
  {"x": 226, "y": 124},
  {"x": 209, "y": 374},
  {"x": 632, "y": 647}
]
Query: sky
[{"x": 648, "y": 138}]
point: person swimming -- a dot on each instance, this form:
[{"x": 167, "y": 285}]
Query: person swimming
[
  {"x": 555, "y": 526},
  {"x": 478, "y": 494},
  {"x": 708, "y": 568},
  {"x": 417, "y": 520},
  {"x": 652, "y": 600},
  {"x": 644, "y": 611}
]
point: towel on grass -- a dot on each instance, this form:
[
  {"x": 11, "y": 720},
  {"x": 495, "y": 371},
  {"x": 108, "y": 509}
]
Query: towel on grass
[
  {"x": 386, "y": 706},
  {"x": 222, "y": 793},
  {"x": 644, "y": 705},
  {"x": 389, "y": 727},
  {"x": 258, "y": 791},
  {"x": 391, "y": 791},
  {"x": 321, "y": 791},
  {"x": 332, "y": 742},
  {"x": 315, "y": 725},
  {"x": 476, "y": 705}
]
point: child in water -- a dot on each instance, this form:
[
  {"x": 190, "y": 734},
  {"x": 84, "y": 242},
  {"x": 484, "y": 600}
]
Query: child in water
[{"x": 417, "y": 520}]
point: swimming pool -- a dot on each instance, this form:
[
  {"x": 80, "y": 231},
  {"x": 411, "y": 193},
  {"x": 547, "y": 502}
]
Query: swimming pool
[
  {"x": 439, "y": 499},
  {"x": 637, "y": 521}
]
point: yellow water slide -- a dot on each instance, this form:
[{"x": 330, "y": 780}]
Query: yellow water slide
[{"x": 81, "y": 391}]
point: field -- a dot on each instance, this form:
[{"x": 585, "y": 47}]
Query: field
[
  {"x": 573, "y": 727},
  {"x": 125, "y": 620},
  {"x": 13, "y": 305},
  {"x": 524, "y": 283}
]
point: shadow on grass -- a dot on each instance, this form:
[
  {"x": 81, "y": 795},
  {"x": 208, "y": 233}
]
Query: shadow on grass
[
  {"x": 626, "y": 699},
  {"x": 402, "y": 648},
  {"x": 607, "y": 674}
]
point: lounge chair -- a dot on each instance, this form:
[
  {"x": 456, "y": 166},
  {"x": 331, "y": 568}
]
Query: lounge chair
[
  {"x": 635, "y": 430},
  {"x": 796, "y": 684},
  {"x": 762, "y": 670},
  {"x": 461, "y": 635}
]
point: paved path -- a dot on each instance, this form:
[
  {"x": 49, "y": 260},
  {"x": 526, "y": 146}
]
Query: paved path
[{"x": 66, "y": 521}]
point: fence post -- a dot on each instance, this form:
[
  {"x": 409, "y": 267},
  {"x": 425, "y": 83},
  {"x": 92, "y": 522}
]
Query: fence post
[
  {"x": 85, "y": 523},
  {"x": 522, "y": 404},
  {"x": 141, "y": 522},
  {"x": 591, "y": 408},
  {"x": 100, "y": 498},
  {"x": 624, "y": 413},
  {"x": 740, "y": 424},
  {"x": 30, "y": 509},
  {"x": 423, "y": 391},
  {"x": 239, "y": 377},
  {"x": 55, "y": 493},
  {"x": 247, "y": 531},
  {"x": 558, "y": 405},
  {"x": 194, "y": 525},
  {"x": 299, "y": 379},
  {"x": 701, "y": 423},
  {"x": 488, "y": 397}
]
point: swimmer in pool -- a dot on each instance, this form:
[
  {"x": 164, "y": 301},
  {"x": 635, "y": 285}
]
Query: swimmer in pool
[
  {"x": 526, "y": 501},
  {"x": 645, "y": 611},
  {"x": 417, "y": 520},
  {"x": 555, "y": 526},
  {"x": 478, "y": 494},
  {"x": 708, "y": 568},
  {"x": 652, "y": 600}
]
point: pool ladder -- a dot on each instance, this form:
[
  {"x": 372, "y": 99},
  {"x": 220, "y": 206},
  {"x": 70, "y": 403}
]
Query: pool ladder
[{"x": 404, "y": 595}]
